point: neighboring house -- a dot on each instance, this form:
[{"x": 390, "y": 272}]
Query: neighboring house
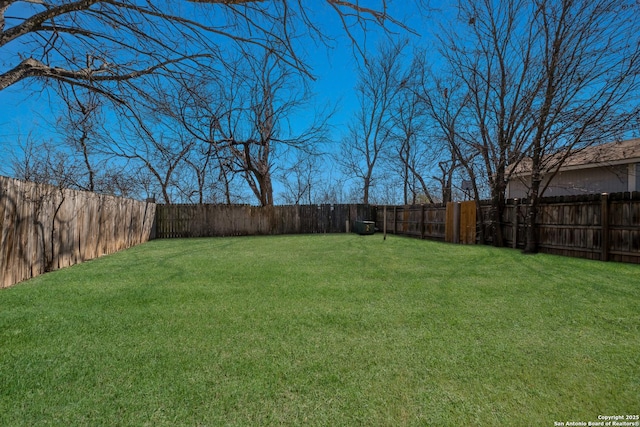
[{"x": 606, "y": 168}]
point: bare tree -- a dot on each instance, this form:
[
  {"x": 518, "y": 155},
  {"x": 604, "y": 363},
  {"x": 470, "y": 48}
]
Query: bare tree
[
  {"x": 151, "y": 140},
  {"x": 589, "y": 74},
  {"x": 298, "y": 180},
  {"x": 332, "y": 187},
  {"x": 411, "y": 153},
  {"x": 443, "y": 99},
  {"x": 79, "y": 128},
  {"x": 240, "y": 121},
  {"x": 201, "y": 161},
  {"x": 100, "y": 44},
  {"x": 491, "y": 52},
  {"x": 379, "y": 82},
  {"x": 43, "y": 162},
  {"x": 273, "y": 94}
]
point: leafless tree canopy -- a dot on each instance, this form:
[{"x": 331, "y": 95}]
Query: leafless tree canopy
[
  {"x": 94, "y": 43},
  {"x": 157, "y": 65},
  {"x": 379, "y": 85},
  {"x": 540, "y": 78},
  {"x": 203, "y": 91}
]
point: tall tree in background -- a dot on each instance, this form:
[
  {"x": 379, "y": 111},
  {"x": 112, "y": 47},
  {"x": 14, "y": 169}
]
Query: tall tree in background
[
  {"x": 411, "y": 152},
  {"x": 491, "y": 52},
  {"x": 242, "y": 116},
  {"x": 443, "y": 98},
  {"x": 198, "y": 106},
  {"x": 589, "y": 78},
  {"x": 379, "y": 83},
  {"x": 259, "y": 128}
]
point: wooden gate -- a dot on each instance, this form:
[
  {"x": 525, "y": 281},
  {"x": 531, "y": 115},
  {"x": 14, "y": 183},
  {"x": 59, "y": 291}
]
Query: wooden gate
[{"x": 461, "y": 222}]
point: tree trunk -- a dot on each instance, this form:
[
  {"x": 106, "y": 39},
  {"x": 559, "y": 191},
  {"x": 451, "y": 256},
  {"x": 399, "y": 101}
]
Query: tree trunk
[
  {"x": 446, "y": 188},
  {"x": 365, "y": 196},
  {"x": 265, "y": 189},
  {"x": 531, "y": 243},
  {"x": 165, "y": 193},
  {"x": 497, "y": 209}
]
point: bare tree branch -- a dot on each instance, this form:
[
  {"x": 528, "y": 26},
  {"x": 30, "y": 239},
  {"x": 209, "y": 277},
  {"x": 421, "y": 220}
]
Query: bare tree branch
[{"x": 54, "y": 39}]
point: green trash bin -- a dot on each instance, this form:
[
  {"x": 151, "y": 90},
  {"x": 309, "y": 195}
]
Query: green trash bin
[{"x": 365, "y": 227}]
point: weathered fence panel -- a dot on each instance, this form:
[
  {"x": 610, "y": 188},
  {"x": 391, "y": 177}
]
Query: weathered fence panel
[
  {"x": 566, "y": 227},
  {"x": 602, "y": 227},
  {"x": 44, "y": 228},
  {"x": 421, "y": 221},
  {"x": 624, "y": 227},
  {"x": 241, "y": 220},
  {"x": 468, "y": 222}
]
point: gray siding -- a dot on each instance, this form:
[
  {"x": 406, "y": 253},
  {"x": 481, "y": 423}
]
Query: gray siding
[{"x": 610, "y": 179}]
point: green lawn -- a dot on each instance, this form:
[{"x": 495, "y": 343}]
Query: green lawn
[{"x": 321, "y": 330}]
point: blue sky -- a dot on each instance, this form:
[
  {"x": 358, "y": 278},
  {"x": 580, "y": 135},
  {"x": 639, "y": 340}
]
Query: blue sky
[
  {"x": 27, "y": 112},
  {"x": 24, "y": 110}
]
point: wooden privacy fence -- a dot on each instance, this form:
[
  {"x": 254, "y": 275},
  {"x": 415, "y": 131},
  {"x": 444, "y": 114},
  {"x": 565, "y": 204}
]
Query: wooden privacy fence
[
  {"x": 240, "y": 220},
  {"x": 43, "y": 228},
  {"x": 422, "y": 221},
  {"x": 599, "y": 226},
  {"x": 602, "y": 227},
  {"x": 451, "y": 222}
]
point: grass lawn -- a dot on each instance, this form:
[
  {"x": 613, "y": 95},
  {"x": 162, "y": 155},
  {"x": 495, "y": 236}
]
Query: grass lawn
[{"x": 321, "y": 330}]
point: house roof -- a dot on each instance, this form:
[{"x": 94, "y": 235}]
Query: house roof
[{"x": 612, "y": 153}]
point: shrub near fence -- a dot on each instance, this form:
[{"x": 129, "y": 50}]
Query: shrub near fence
[
  {"x": 241, "y": 220},
  {"x": 45, "y": 228}
]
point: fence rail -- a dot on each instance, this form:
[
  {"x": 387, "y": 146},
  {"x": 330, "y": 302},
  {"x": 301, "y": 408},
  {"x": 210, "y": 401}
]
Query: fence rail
[
  {"x": 240, "y": 220},
  {"x": 45, "y": 228}
]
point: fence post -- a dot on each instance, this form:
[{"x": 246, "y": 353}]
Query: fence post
[
  {"x": 514, "y": 223},
  {"x": 456, "y": 222},
  {"x": 395, "y": 220},
  {"x": 448, "y": 222},
  {"x": 604, "y": 221},
  {"x": 384, "y": 224},
  {"x": 422, "y": 222}
]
